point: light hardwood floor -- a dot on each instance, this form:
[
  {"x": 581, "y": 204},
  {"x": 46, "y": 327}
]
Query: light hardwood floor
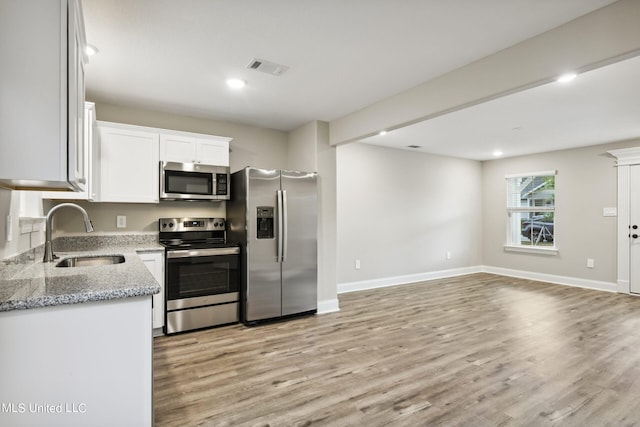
[{"x": 476, "y": 350}]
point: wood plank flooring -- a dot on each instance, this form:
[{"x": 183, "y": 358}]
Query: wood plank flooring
[{"x": 476, "y": 350}]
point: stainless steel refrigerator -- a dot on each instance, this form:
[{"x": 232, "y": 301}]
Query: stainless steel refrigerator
[{"x": 273, "y": 215}]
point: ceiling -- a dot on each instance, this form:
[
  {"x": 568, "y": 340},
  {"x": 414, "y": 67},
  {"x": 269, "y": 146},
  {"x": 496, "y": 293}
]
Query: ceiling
[
  {"x": 597, "y": 107},
  {"x": 174, "y": 56}
]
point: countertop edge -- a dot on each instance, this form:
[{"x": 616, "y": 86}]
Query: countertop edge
[{"x": 36, "y": 284}]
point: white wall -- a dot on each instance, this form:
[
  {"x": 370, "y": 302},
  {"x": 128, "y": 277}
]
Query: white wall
[
  {"x": 399, "y": 212},
  {"x": 141, "y": 217},
  {"x": 16, "y": 238},
  {"x": 585, "y": 184},
  {"x": 309, "y": 150},
  {"x": 302, "y": 153}
]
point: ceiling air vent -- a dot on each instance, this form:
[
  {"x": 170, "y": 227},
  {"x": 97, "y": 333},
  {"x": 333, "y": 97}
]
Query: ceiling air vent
[
  {"x": 413, "y": 146},
  {"x": 267, "y": 67}
]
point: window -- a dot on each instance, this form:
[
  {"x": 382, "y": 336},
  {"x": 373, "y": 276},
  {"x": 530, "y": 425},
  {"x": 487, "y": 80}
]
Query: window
[{"x": 531, "y": 212}]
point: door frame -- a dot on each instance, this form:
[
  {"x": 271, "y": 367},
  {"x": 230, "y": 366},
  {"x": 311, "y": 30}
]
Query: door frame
[{"x": 625, "y": 158}]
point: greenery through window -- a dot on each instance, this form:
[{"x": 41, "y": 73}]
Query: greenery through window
[{"x": 531, "y": 209}]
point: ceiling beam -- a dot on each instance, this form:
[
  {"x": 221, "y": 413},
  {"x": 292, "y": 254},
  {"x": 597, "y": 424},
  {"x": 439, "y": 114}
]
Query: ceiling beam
[{"x": 599, "y": 38}]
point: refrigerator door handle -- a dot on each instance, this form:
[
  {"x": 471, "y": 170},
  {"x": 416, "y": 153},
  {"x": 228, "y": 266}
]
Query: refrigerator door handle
[
  {"x": 285, "y": 221},
  {"x": 280, "y": 226}
]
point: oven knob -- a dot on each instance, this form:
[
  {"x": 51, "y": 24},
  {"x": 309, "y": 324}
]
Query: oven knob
[
  {"x": 170, "y": 225},
  {"x": 164, "y": 225}
]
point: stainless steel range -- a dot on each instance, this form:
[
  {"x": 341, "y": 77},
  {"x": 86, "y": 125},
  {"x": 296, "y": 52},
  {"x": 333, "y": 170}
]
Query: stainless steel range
[{"x": 201, "y": 274}]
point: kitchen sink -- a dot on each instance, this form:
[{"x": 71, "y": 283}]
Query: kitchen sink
[{"x": 88, "y": 261}]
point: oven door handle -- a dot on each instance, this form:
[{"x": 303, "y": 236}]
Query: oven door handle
[{"x": 192, "y": 253}]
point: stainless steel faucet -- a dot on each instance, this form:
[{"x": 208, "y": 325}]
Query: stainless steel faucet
[{"x": 48, "y": 252}]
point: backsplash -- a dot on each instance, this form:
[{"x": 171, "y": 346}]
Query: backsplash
[
  {"x": 140, "y": 217},
  {"x": 87, "y": 242},
  {"x": 91, "y": 241}
]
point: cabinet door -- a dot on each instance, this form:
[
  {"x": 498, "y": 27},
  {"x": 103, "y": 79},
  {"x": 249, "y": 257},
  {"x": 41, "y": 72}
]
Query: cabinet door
[
  {"x": 154, "y": 261},
  {"x": 77, "y": 159},
  {"x": 129, "y": 165},
  {"x": 210, "y": 152},
  {"x": 89, "y": 160},
  {"x": 177, "y": 148},
  {"x": 42, "y": 94}
]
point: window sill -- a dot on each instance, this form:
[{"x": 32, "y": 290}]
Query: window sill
[{"x": 531, "y": 249}]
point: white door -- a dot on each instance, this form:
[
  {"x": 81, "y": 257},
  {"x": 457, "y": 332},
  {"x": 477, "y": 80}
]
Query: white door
[{"x": 634, "y": 229}]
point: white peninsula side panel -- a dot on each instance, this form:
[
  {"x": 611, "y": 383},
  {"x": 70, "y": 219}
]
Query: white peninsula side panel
[{"x": 87, "y": 364}]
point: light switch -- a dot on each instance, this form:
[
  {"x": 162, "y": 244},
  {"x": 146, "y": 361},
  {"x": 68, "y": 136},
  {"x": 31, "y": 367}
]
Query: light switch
[{"x": 609, "y": 212}]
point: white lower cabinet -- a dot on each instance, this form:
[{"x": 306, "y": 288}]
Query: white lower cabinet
[
  {"x": 154, "y": 261},
  {"x": 128, "y": 164},
  {"x": 88, "y": 364}
]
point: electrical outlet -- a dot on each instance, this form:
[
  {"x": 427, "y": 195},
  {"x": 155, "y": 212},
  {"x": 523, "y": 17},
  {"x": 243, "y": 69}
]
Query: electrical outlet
[
  {"x": 448, "y": 255},
  {"x": 121, "y": 221},
  {"x": 590, "y": 263},
  {"x": 357, "y": 264}
]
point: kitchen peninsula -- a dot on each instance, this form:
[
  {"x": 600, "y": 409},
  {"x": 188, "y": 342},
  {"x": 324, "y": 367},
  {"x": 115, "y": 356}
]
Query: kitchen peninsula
[{"x": 77, "y": 341}]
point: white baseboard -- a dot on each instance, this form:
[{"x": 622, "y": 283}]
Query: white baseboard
[
  {"x": 328, "y": 306},
  {"x": 413, "y": 278},
  {"x": 624, "y": 287},
  {"x": 552, "y": 278},
  {"x": 401, "y": 280}
]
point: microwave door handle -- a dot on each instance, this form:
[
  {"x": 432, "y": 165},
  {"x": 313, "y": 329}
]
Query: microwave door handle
[
  {"x": 285, "y": 223},
  {"x": 280, "y": 225}
]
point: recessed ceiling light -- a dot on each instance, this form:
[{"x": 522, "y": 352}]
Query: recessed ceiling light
[
  {"x": 382, "y": 133},
  {"x": 567, "y": 77},
  {"x": 497, "y": 153},
  {"x": 90, "y": 49},
  {"x": 236, "y": 83}
]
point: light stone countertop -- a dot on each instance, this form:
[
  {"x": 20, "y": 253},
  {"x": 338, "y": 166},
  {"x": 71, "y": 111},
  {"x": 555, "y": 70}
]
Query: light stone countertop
[{"x": 31, "y": 284}]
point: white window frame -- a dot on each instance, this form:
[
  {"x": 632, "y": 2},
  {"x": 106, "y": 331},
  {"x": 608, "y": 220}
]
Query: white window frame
[{"x": 510, "y": 210}]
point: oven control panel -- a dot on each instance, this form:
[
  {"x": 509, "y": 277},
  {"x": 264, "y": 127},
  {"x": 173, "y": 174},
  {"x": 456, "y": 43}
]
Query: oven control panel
[{"x": 191, "y": 224}]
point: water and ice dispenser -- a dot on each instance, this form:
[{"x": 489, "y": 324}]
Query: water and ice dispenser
[{"x": 264, "y": 217}]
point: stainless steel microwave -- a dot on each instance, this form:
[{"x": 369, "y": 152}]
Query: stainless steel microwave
[{"x": 193, "y": 181}]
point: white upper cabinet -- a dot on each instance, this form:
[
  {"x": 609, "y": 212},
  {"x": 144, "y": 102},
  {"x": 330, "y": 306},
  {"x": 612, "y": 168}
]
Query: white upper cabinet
[
  {"x": 187, "y": 148},
  {"x": 88, "y": 159},
  {"x": 42, "y": 87},
  {"x": 124, "y": 159},
  {"x": 128, "y": 169}
]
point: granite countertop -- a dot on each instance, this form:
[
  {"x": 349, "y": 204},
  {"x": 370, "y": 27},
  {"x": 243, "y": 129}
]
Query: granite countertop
[{"x": 27, "y": 284}]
